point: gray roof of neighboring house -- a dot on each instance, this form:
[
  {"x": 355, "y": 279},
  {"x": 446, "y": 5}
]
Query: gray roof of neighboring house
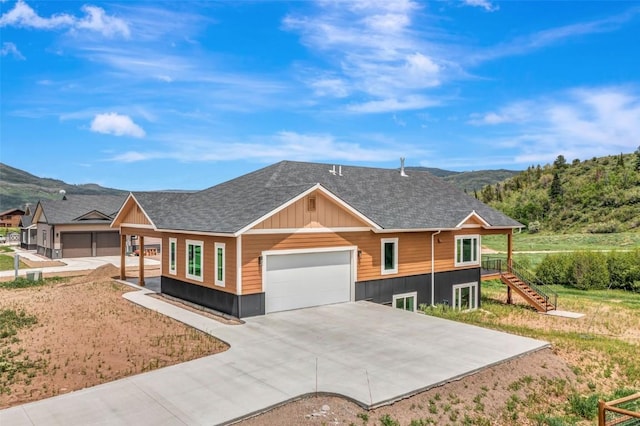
[
  {"x": 25, "y": 220},
  {"x": 71, "y": 209},
  {"x": 417, "y": 201}
]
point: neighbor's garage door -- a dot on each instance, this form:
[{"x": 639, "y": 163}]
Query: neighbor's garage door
[
  {"x": 307, "y": 279},
  {"x": 107, "y": 243},
  {"x": 76, "y": 244}
]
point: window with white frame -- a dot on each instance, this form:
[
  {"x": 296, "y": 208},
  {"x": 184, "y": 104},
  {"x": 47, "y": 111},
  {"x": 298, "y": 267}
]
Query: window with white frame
[
  {"x": 467, "y": 250},
  {"x": 406, "y": 301},
  {"x": 220, "y": 263},
  {"x": 465, "y": 296},
  {"x": 194, "y": 259},
  {"x": 173, "y": 254},
  {"x": 389, "y": 256}
]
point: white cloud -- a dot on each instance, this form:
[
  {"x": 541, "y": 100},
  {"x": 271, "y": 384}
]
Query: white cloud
[
  {"x": 281, "y": 145},
  {"x": 485, "y": 4},
  {"x": 374, "y": 50},
  {"x": 95, "y": 19},
  {"x": 578, "y": 123},
  {"x": 392, "y": 104},
  {"x": 9, "y": 48},
  {"x": 115, "y": 124}
]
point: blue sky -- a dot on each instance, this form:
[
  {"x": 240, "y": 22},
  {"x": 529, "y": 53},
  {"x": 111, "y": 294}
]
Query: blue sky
[{"x": 184, "y": 95}]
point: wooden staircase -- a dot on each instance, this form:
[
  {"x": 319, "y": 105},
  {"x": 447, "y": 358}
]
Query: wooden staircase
[
  {"x": 532, "y": 297},
  {"x": 523, "y": 282}
]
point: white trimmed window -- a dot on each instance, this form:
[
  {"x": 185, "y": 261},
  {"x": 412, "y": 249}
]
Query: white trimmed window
[
  {"x": 389, "y": 256},
  {"x": 406, "y": 301},
  {"x": 467, "y": 250},
  {"x": 195, "y": 256},
  {"x": 465, "y": 296},
  {"x": 173, "y": 255},
  {"x": 220, "y": 263}
]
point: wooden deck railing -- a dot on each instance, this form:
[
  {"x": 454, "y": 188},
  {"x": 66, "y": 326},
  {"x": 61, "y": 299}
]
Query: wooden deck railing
[{"x": 620, "y": 412}]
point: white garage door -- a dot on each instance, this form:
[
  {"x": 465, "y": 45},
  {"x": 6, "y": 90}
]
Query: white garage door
[{"x": 307, "y": 279}]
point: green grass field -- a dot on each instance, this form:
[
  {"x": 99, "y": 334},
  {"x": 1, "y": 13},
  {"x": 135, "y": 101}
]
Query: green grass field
[
  {"x": 602, "y": 348},
  {"x": 6, "y": 263},
  {"x": 559, "y": 242}
]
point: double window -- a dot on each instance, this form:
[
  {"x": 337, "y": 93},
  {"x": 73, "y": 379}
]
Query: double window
[
  {"x": 389, "y": 256},
  {"x": 194, "y": 260},
  {"x": 467, "y": 250},
  {"x": 465, "y": 296},
  {"x": 406, "y": 301}
]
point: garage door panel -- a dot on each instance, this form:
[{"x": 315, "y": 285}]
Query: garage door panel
[
  {"x": 310, "y": 279},
  {"x": 107, "y": 243},
  {"x": 76, "y": 244}
]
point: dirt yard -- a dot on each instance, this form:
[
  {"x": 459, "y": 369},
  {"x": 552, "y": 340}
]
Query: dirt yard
[
  {"x": 495, "y": 396},
  {"x": 85, "y": 334}
]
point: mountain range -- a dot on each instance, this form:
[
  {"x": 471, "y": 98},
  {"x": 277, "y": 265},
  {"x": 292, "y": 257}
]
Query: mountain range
[{"x": 19, "y": 187}]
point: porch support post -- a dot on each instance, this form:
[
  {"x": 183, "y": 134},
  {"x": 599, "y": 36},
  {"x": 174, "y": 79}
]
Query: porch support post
[
  {"x": 141, "y": 258},
  {"x": 510, "y": 250},
  {"x": 123, "y": 248}
]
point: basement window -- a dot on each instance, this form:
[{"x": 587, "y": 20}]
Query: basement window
[
  {"x": 406, "y": 301},
  {"x": 465, "y": 296}
]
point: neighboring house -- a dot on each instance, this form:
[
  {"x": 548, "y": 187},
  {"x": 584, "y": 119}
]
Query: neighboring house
[
  {"x": 77, "y": 226},
  {"x": 11, "y": 218},
  {"x": 28, "y": 233},
  {"x": 295, "y": 235}
]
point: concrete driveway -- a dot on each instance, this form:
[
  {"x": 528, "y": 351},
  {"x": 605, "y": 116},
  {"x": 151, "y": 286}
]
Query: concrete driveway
[{"x": 370, "y": 353}]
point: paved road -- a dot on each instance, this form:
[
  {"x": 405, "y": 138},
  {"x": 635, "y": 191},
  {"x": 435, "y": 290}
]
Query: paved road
[
  {"x": 370, "y": 353},
  {"x": 75, "y": 264}
]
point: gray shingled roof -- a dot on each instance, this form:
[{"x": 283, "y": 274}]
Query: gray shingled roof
[
  {"x": 75, "y": 206},
  {"x": 418, "y": 201}
]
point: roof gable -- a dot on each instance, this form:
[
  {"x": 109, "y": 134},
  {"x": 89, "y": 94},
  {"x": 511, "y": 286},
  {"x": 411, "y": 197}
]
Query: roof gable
[
  {"x": 132, "y": 213},
  {"x": 313, "y": 210}
]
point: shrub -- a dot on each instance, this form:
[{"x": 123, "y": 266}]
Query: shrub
[
  {"x": 555, "y": 269},
  {"x": 624, "y": 269},
  {"x": 589, "y": 271},
  {"x": 608, "y": 227},
  {"x": 534, "y": 227},
  {"x": 584, "y": 406}
]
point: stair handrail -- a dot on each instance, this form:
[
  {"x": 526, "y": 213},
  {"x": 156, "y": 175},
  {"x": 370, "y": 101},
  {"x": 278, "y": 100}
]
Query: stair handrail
[
  {"x": 534, "y": 283},
  {"x": 524, "y": 275}
]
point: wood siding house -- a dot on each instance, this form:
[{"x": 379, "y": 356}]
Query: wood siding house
[
  {"x": 11, "y": 218},
  {"x": 295, "y": 235},
  {"x": 77, "y": 226}
]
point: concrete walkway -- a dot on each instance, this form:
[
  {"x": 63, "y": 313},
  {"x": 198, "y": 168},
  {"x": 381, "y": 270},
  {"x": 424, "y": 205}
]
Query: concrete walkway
[
  {"x": 370, "y": 353},
  {"x": 74, "y": 264}
]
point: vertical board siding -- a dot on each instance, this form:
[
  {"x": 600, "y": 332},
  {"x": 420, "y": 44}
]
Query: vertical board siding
[
  {"x": 327, "y": 214},
  {"x": 134, "y": 215},
  {"x": 208, "y": 262}
]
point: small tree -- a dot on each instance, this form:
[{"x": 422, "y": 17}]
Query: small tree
[
  {"x": 555, "y": 191},
  {"x": 560, "y": 163},
  {"x": 638, "y": 159}
]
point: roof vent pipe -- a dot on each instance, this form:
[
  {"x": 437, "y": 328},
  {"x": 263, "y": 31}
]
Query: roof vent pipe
[
  {"x": 333, "y": 171},
  {"x": 402, "y": 173},
  {"x": 339, "y": 170}
]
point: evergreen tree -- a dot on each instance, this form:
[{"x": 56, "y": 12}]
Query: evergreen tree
[
  {"x": 638, "y": 159},
  {"x": 620, "y": 163},
  {"x": 555, "y": 191},
  {"x": 560, "y": 163}
]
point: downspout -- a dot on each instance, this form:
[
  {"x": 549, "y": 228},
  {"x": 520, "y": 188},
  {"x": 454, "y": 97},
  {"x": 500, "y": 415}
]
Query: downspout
[{"x": 433, "y": 268}]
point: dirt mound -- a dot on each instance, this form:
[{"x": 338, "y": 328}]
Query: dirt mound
[{"x": 107, "y": 271}]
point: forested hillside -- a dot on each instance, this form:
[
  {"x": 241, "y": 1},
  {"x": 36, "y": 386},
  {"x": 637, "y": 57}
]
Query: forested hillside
[{"x": 598, "y": 195}]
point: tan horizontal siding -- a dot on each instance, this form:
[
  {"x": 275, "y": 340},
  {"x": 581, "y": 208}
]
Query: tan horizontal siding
[{"x": 208, "y": 260}]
